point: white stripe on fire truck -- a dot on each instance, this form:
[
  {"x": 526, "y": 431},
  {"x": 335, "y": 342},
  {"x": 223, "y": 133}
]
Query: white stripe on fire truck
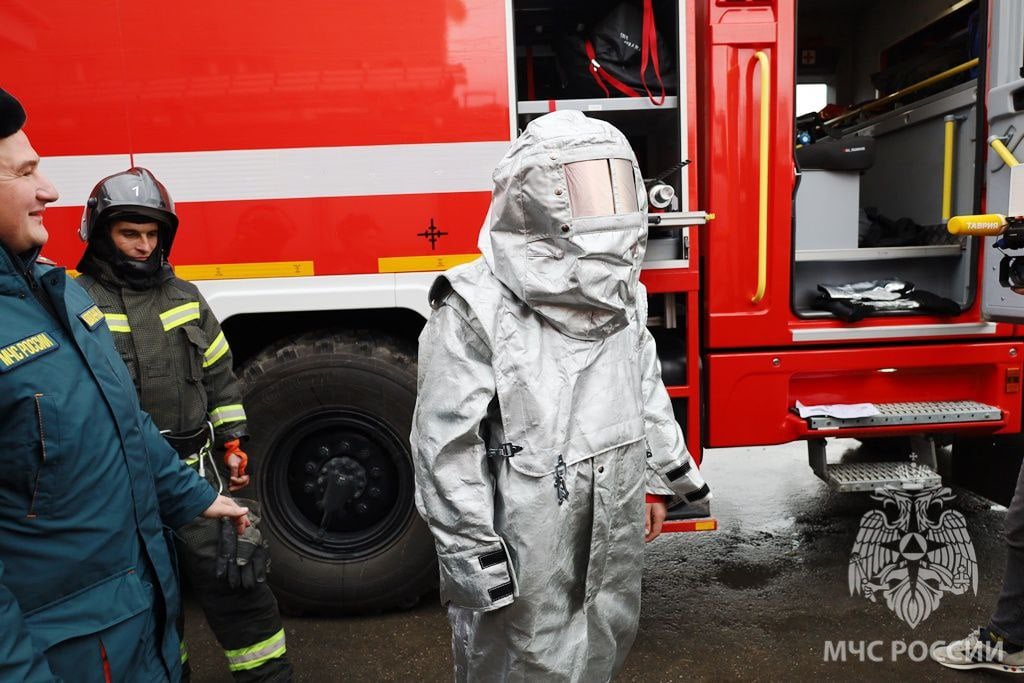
[
  {"x": 75, "y": 177},
  {"x": 299, "y": 173}
]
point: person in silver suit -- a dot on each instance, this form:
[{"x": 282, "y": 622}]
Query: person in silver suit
[{"x": 542, "y": 423}]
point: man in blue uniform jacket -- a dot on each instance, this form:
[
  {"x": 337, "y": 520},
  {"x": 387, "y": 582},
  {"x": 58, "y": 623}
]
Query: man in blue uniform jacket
[{"x": 87, "y": 484}]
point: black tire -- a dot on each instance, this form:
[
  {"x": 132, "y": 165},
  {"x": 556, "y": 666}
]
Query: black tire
[
  {"x": 327, "y": 400},
  {"x": 988, "y": 465}
]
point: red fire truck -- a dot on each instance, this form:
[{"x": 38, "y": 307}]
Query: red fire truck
[{"x": 329, "y": 158}]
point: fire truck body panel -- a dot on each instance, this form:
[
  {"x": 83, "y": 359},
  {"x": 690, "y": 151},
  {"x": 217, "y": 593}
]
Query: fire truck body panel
[
  {"x": 281, "y": 139},
  {"x": 255, "y": 296},
  {"x": 765, "y": 386},
  {"x": 176, "y": 77},
  {"x": 736, "y": 165},
  {"x": 732, "y": 263},
  {"x": 328, "y": 159},
  {"x": 753, "y": 343}
]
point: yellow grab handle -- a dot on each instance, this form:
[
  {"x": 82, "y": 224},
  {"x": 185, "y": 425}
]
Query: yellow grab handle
[
  {"x": 1004, "y": 154},
  {"x": 984, "y": 224},
  {"x": 900, "y": 94},
  {"x": 762, "y": 185},
  {"x": 947, "y": 168}
]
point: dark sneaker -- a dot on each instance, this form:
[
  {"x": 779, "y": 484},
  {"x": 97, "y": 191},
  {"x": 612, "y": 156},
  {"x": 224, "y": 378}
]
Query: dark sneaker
[{"x": 980, "y": 651}]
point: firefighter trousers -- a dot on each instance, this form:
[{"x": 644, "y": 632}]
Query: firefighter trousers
[
  {"x": 246, "y": 623},
  {"x": 1008, "y": 619}
]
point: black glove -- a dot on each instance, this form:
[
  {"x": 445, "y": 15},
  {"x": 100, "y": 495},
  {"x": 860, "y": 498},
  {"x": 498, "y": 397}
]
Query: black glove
[
  {"x": 227, "y": 552},
  {"x": 255, "y": 570},
  {"x": 242, "y": 560}
]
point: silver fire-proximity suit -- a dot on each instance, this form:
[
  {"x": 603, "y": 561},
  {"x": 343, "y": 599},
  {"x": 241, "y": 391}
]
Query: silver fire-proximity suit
[{"x": 542, "y": 419}]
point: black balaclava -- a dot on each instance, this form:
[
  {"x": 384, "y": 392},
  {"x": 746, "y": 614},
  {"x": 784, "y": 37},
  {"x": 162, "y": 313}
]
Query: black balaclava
[{"x": 137, "y": 274}]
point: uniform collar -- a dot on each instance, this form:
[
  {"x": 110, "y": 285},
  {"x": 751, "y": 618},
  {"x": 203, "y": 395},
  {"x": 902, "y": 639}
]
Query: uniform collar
[{"x": 18, "y": 266}]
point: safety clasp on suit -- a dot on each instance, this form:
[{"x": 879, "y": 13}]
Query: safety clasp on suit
[{"x": 195, "y": 448}]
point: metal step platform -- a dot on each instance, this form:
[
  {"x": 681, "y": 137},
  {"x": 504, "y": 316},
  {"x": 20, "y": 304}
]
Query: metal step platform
[
  {"x": 924, "y": 412},
  {"x": 876, "y": 475},
  {"x": 917, "y": 474}
]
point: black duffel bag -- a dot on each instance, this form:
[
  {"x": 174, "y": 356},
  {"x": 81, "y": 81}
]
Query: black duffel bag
[{"x": 623, "y": 55}]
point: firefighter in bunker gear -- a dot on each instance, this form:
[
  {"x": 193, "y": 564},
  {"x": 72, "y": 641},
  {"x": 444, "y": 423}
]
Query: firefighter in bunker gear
[
  {"x": 542, "y": 419},
  {"x": 181, "y": 365},
  {"x": 84, "y": 474}
]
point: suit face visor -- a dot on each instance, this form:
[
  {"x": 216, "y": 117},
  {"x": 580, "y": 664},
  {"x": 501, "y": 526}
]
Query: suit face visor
[{"x": 601, "y": 187}]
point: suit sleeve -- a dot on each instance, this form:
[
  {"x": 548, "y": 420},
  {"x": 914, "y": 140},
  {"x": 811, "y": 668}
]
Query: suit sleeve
[
  {"x": 454, "y": 486},
  {"x": 19, "y": 659},
  {"x": 182, "y": 494},
  {"x": 670, "y": 470},
  {"x": 223, "y": 391}
]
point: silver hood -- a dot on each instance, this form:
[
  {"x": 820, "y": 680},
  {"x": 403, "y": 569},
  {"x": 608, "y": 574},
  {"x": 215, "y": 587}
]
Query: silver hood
[{"x": 577, "y": 270}]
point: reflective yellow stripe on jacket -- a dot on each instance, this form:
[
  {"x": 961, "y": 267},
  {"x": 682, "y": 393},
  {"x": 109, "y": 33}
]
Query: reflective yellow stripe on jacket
[
  {"x": 179, "y": 315},
  {"x": 256, "y": 655},
  {"x": 224, "y": 414},
  {"x": 215, "y": 351},
  {"x": 117, "y": 322}
]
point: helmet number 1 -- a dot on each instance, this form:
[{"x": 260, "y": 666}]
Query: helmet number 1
[{"x": 136, "y": 189}]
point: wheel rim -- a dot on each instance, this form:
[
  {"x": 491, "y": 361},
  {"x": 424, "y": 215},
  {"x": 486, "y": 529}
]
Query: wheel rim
[{"x": 358, "y": 446}]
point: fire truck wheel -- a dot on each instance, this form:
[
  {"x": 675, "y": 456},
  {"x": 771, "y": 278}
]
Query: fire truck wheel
[{"x": 329, "y": 417}]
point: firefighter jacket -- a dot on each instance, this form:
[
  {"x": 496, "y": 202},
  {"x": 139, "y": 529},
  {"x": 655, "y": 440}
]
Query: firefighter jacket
[
  {"x": 174, "y": 348},
  {"x": 542, "y": 420},
  {"x": 87, "y": 486}
]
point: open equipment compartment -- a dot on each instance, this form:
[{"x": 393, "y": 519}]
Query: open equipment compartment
[
  {"x": 553, "y": 72},
  {"x": 873, "y": 194}
]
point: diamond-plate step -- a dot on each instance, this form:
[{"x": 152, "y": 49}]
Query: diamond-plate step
[
  {"x": 922, "y": 412},
  {"x": 875, "y": 475}
]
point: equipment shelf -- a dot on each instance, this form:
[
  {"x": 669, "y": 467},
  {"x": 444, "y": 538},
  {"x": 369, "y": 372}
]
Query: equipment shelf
[
  {"x": 596, "y": 104},
  {"x": 878, "y": 253}
]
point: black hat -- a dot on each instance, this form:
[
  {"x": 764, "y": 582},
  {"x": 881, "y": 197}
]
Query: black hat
[{"x": 12, "y": 115}]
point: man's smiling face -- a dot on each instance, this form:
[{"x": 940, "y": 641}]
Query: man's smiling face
[{"x": 24, "y": 194}]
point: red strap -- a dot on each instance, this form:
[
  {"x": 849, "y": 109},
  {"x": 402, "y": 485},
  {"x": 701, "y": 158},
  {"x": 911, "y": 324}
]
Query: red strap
[
  {"x": 600, "y": 75},
  {"x": 531, "y": 86},
  {"x": 649, "y": 50},
  {"x": 593, "y": 67},
  {"x": 106, "y": 663},
  {"x": 654, "y": 498}
]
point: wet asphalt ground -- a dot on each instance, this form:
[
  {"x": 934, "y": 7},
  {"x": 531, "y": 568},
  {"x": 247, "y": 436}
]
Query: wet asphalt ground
[{"x": 757, "y": 600}]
